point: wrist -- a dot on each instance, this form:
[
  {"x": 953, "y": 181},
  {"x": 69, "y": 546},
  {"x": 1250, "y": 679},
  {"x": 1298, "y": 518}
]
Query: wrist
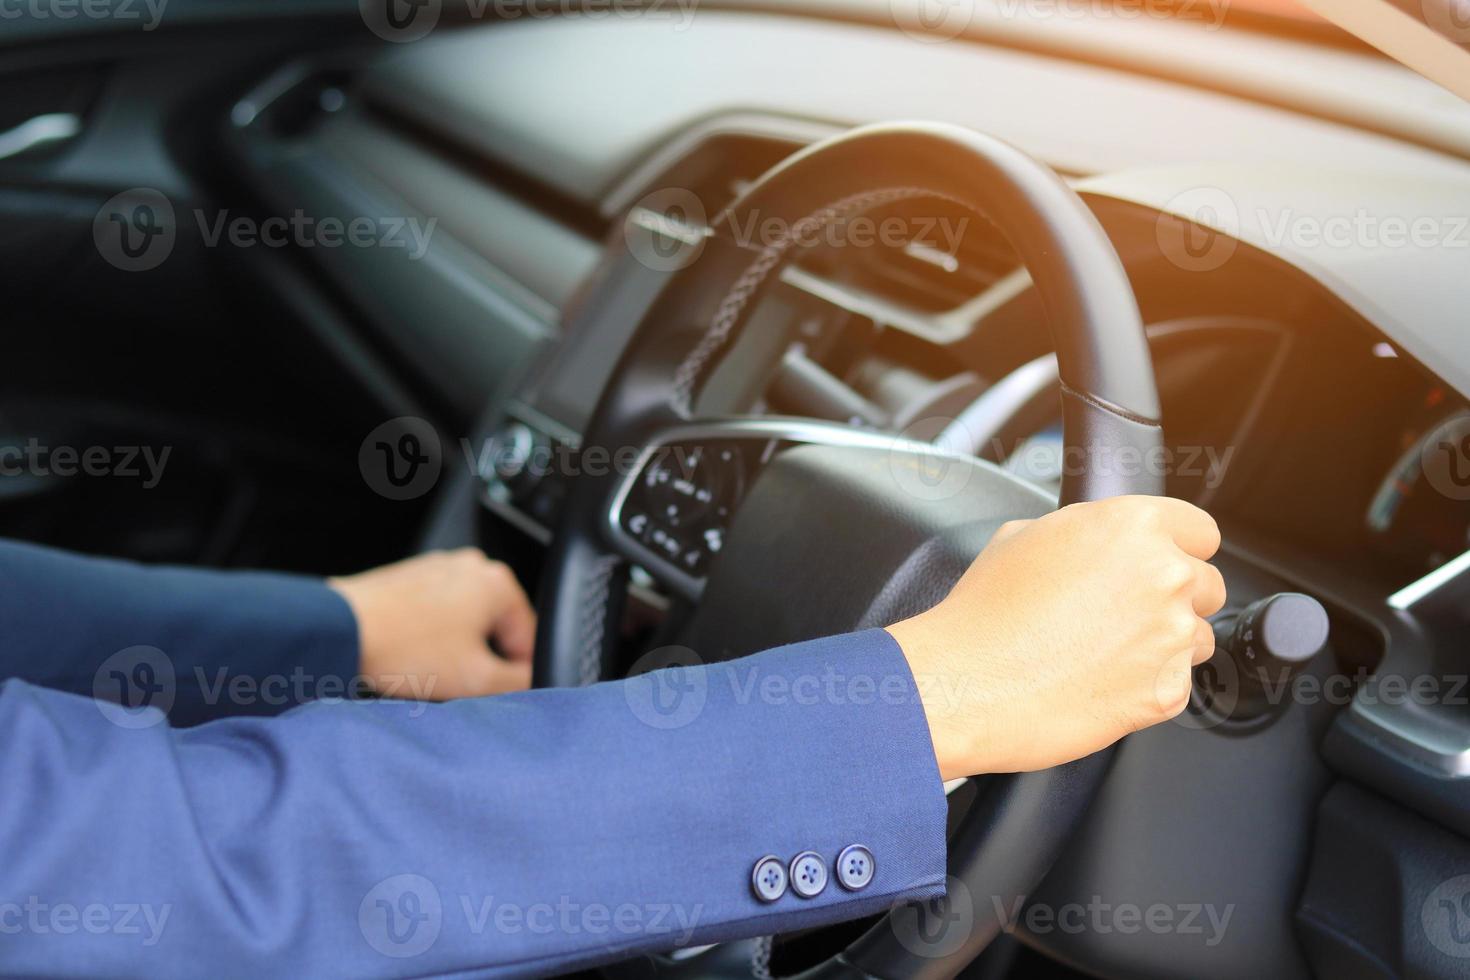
[
  {"x": 356, "y": 604},
  {"x": 952, "y": 731}
]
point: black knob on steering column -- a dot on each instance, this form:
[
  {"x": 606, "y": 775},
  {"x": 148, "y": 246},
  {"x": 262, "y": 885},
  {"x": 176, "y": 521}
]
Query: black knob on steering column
[
  {"x": 1267, "y": 643},
  {"x": 1278, "y": 634}
]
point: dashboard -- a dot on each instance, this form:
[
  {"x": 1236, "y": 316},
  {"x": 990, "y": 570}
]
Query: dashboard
[
  {"x": 1314, "y": 398},
  {"x": 1289, "y": 419}
]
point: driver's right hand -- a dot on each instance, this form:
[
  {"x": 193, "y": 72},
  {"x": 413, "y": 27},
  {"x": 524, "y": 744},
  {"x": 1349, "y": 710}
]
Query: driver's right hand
[{"x": 1067, "y": 633}]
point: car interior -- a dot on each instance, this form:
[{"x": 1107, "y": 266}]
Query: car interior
[{"x": 510, "y": 245}]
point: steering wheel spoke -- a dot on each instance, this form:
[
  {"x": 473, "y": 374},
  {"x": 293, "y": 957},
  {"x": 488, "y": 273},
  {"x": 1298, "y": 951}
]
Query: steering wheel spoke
[{"x": 671, "y": 511}]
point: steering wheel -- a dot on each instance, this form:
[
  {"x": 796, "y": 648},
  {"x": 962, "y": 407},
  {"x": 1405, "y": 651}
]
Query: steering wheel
[{"x": 892, "y": 523}]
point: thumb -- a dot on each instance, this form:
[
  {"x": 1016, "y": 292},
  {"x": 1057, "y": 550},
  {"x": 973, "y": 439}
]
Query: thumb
[
  {"x": 500, "y": 676},
  {"x": 514, "y": 632}
]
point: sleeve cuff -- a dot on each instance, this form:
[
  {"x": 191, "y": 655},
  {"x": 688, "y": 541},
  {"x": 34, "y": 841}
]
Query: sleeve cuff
[{"x": 827, "y": 753}]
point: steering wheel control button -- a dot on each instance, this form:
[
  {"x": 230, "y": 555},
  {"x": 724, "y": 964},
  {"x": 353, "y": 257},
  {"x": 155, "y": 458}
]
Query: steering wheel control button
[
  {"x": 855, "y": 867},
  {"x": 681, "y": 501},
  {"x": 808, "y": 874},
  {"x": 768, "y": 880}
]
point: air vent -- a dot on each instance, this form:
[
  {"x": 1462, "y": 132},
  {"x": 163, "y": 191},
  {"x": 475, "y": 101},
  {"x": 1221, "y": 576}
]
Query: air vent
[
  {"x": 716, "y": 169},
  {"x": 956, "y": 257}
]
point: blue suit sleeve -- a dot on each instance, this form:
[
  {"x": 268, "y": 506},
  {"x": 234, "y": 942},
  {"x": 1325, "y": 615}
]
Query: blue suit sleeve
[
  {"x": 519, "y": 835},
  {"x": 212, "y": 644}
]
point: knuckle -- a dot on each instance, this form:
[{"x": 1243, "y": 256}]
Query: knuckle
[
  {"x": 1172, "y": 694},
  {"x": 1145, "y": 514},
  {"x": 1182, "y": 625},
  {"x": 1204, "y": 645},
  {"x": 1175, "y": 574},
  {"x": 1173, "y": 706},
  {"x": 1109, "y": 515},
  {"x": 1204, "y": 633}
]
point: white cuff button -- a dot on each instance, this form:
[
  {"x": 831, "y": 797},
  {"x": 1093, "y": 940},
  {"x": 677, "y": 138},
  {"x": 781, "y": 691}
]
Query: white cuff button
[
  {"x": 855, "y": 867},
  {"x": 808, "y": 874},
  {"x": 768, "y": 880}
]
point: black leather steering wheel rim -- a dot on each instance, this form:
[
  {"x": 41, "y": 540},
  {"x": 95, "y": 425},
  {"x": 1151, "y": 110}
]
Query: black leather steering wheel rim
[{"x": 1109, "y": 405}]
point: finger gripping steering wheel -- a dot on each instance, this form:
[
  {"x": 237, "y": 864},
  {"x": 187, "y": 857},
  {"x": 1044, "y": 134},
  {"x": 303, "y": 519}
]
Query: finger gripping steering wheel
[{"x": 886, "y": 551}]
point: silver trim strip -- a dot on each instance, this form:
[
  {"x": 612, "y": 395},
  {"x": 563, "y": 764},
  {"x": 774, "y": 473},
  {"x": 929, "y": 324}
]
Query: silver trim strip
[
  {"x": 1439, "y": 745},
  {"x": 53, "y": 127},
  {"x": 1415, "y": 593}
]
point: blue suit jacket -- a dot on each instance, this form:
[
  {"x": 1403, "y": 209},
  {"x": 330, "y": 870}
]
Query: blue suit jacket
[{"x": 523, "y": 834}]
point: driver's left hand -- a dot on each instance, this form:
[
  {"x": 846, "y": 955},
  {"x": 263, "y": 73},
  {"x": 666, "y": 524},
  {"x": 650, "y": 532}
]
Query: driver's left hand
[{"x": 426, "y": 626}]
